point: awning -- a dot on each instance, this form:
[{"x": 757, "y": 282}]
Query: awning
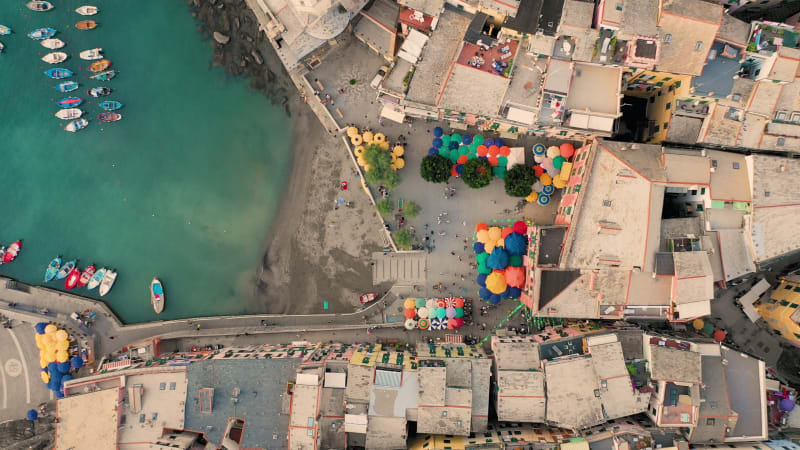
[
  {"x": 521, "y": 116},
  {"x": 693, "y": 310},
  {"x": 517, "y": 156},
  {"x": 419, "y": 112},
  {"x": 392, "y": 114}
]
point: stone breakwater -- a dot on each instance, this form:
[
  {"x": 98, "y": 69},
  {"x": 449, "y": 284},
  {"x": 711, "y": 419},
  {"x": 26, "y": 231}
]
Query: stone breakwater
[{"x": 241, "y": 48}]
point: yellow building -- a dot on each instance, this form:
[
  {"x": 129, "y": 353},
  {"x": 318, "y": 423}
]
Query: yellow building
[
  {"x": 502, "y": 436},
  {"x": 661, "y": 89},
  {"x": 781, "y": 310}
]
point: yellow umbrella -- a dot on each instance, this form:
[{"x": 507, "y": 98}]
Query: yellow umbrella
[
  {"x": 45, "y": 377},
  {"x": 361, "y": 161},
  {"x": 50, "y": 329},
  {"x": 383, "y": 145},
  {"x": 61, "y": 335},
  {"x": 495, "y": 233},
  {"x": 62, "y": 345},
  {"x": 62, "y": 356},
  {"x": 698, "y": 324},
  {"x": 394, "y": 158},
  {"x": 546, "y": 179},
  {"x": 367, "y": 167},
  {"x": 50, "y": 356},
  {"x": 379, "y": 137},
  {"x": 368, "y": 136},
  {"x": 352, "y": 131},
  {"x": 409, "y": 303},
  {"x": 42, "y": 362},
  {"x": 398, "y": 150},
  {"x": 48, "y": 340},
  {"x": 400, "y": 163},
  {"x": 38, "y": 338},
  {"x": 356, "y": 140},
  {"x": 533, "y": 198},
  {"x": 359, "y": 150}
]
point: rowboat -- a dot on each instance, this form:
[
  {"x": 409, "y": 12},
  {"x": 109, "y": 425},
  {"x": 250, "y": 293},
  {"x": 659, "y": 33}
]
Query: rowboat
[
  {"x": 157, "y": 298},
  {"x": 77, "y": 124},
  {"x": 72, "y": 278},
  {"x": 87, "y": 10},
  {"x": 91, "y": 54},
  {"x": 109, "y": 116},
  {"x": 67, "y": 86},
  {"x": 99, "y": 66},
  {"x": 110, "y": 105},
  {"x": 104, "y": 76},
  {"x": 108, "y": 282},
  {"x": 39, "y": 6},
  {"x": 4, "y": 30},
  {"x": 99, "y": 91},
  {"x": 86, "y": 275},
  {"x": 52, "y": 43},
  {"x": 86, "y": 25},
  {"x": 12, "y": 251},
  {"x": 52, "y": 269},
  {"x": 70, "y": 102},
  {"x": 65, "y": 270},
  {"x": 54, "y": 57},
  {"x": 58, "y": 73},
  {"x": 96, "y": 279},
  {"x": 69, "y": 114},
  {"x": 41, "y": 34}
]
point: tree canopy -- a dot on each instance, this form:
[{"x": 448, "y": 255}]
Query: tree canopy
[
  {"x": 435, "y": 169},
  {"x": 380, "y": 167},
  {"x": 411, "y": 209},
  {"x": 519, "y": 180},
  {"x": 404, "y": 239},
  {"x": 385, "y": 207},
  {"x": 477, "y": 173}
]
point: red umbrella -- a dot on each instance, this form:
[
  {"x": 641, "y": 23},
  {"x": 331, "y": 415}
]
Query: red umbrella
[
  {"x": 481, "y": 226},
  {"x": 459, "y": 322},
  {"x": 504, "y": 151},
  {"x": 482, "y": 150},
  {"x": 450, "y": 302},
  {"x": 719, "y": 335},
  {"x": 410, "y": 313},
  {"x": 459, "y": 302},
  {"x": 453, "y": 171},
  {"x": 451, "y": 324},
  {"x": 521, "y": 227},
  {"x": 506, "y": 231},
  {"x": 538, "y": 170},
  {"x": 441, "y": 303}
]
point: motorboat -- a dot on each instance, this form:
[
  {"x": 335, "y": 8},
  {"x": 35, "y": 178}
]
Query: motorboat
[
  {"x": 99, "y": 66},
  {"x": 55, "y": 57},
  {"x": 108, "y": 281},
  {"x": 92, "y": 54},
  {"x": 86, "y": 25},
  {"x": 12, "y": 251},
  {"x": 157, "y": 298},
  {"x": 4, "y": 30},
  {"x": 52, "y": 269},
  {"x": 87, "y": 10},
  {"x": 65, "y": 269},
  {"x": 87, "y": 275},
  {"x": 2, "y": 47},
  {"x": 40, "y": 34},
  {"x": 70, "y": 102},
  {"x": 67, "y": 86},
  {"x": 104, "y": 76},
  {"x": 69, "y": 113},
  {"x": 110, "y": 105},
  {"x": 2, "y": 253},
  {"x": 39, "y": 6},
  {"x": 58, "y": 73},
  {"x": 109, "y": 116},
  {"x": 53, "y": 43},
  {"x": 96, "y": 279},
  {"x": 77, "y": 124},
  {"x": 72, "y": 278},
  {"x": 99, "y": 91}
]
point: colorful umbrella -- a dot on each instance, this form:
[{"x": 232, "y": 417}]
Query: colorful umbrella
[
  {"x": 356, "y": 140},
  {"x": 430, "y": 304},
  {"x": 409, "y": 303},
  {"x": 459, "y": 302},
  {"x": 419, "y": 302},
  {"x": 543, "y": 200},
  {"x": 352, "y": 131},
  {"x": 438, "y": 132},
  {"x": 719, "y": 335},
  {"x": 368, "y": 136},
  {"x": 437, "y": 324},
  {"x": 449, "y": 302},
  {"x": 380, "y": 137},
  {"x": 441, "y": 313},
  {"x": 459, "y": 312},
  {"x": 548, "y": 190},
  {"x": 539, "y": 149},
  {"x": 552, "y": 152},
  {"x": 698, "y": 324},
  {"x": 567, "y": 150},
  {"x": 422, "y": 312},
  {"x": 451, "y": 324},
  {"x": 423, "y": 324},
  {"x": 440, "y": 303},
  {"x": 411, "y": 324},
  {"x": 410, "y": 313},
  {"x": 450, "y": 312}
]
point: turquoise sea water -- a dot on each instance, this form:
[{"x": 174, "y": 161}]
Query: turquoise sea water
[{"x": 183, "y": 188}]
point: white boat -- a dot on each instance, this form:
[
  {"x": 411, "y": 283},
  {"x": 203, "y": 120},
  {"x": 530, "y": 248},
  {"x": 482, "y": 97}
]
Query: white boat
[
  {"x": 2, "y": 47},
  {"x": 96, "y": 278},
  {"x": 52, "y": 43},
  {"x": 108, "y": 281},
  {"x": 87, "y": 10},
  {"x": 69, "y": 113},
  {"x": 157, "y": 297},
  {"x": 54, "y": 57},
  {"x": 94, "y": 53},
  {"x": 76, "y": 125}
]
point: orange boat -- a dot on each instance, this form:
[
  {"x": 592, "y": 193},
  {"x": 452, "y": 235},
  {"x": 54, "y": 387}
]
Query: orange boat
[
  {"x": 86, "y": 24},
  {"x": 99, "y": 66}
]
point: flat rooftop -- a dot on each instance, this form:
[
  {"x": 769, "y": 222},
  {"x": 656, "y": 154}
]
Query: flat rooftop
[
  {"x": 88, "y": 416},
  {"x": 595, "y": 89},
  {"x": 746, "y": 377},
  {"x": 571, "y": 399},
  {"x": 722, "y": 64},
  {"x": 475, "y": 91},
  {"x": 672, "y": 364}
]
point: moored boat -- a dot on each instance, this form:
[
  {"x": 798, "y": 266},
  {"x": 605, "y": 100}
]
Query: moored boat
[
  {"x": 52, "y": 269},
  {"x": 12, "y": 251},
  {"x": 99, "y": 66},
  {"x": 70, "y": 102},
  {"x": 108, "y": 282},
  {"x": 69, "y": 113},
  {"x": 157, "y": 298},
  {"x": 92, "y": 54},
  {"x": 86, "y": 275},
  {"x": 96, "y": 279},
  {"x": 4, "y": 30},
  {"x": 110, "y": 105},
  {"x": 104, "y": 76},
  {"x": 58, "y": 73},
  {"x": 65, "y": 269},
  {"x": 72, "y": 278},
  {"x": 41, "y": 34},
  {"x": 2, "y": 253},
  {"x": 53, "y": 43},
  {"x": 55, "y": 57},
  {"x": 39, "y": 6},
  {"x": 67, "y": 86},
  {"x": 2, "y": 47},
  {"x": 109, "y": 116},
  {"x": 77, "y": 124},
  {"x": 99, "y": 91},
  {"x": 87, "y": 10},
  {"x": 86, "y": 25}
]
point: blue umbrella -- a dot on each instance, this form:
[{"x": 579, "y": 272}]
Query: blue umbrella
[
  {"x": 498, "y": 260},
  {"x": 66, "y": 378},
  {"x": 63, "y": 367},
  {"x": 59, "y": 394},
  {"x": 484, "y": 293},
  {"x": 482, "y": 279},
  {"x": 460, "y": 169},
  {"x": 438, "y": 132},
  {"x": 514, "y": 292},
  {"x": 494, "y": 299},
  {"x": 544, "y": 199},
  {"x": 539, "y": 149},
  {"x": 433, "y": 151},
  {"x": 437, "y": 142},
  {"x": 453, "y": 145},
  {"x": 499, "y": 142},
  {"x": 466, "y": 139},
  {"x": 515, "y": 244},
  {"x": 478, "y": 247},
  {"x": 76, "y": 362},
  {"x": 32, "y": 414},
  {"x": 488, "y": 142},
  {"x": 40, "y": 327}
]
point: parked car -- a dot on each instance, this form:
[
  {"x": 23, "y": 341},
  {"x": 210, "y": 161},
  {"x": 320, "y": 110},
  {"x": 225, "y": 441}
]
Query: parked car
[{"x": 379, "y": 77}]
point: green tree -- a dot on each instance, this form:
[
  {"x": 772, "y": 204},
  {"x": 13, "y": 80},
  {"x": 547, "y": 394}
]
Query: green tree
[
  {"x": 404, "y": 239},
  {"x": 477, "y": 173},
  {"x": 519, "y": 181},
  {"x": 435, "y": 169},
  {"x": 411, "y": 209},
  {"x": 380, "y": 167},
  {"x": 385, "y": 207}
]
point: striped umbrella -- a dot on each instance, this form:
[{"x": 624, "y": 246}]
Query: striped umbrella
[
  {"x": 449, "y": 302},
  {"x": 438, "y": 324},
  {"x": 423, "y": 324}
]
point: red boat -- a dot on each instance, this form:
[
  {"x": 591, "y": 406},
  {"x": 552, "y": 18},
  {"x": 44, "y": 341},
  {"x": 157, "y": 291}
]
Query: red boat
[
  {"x": 86, "y": 275},
  {"x": 72, "y": 278},
  {"x": 12, "y": 251},
  {"x": 368, "y": 297}
]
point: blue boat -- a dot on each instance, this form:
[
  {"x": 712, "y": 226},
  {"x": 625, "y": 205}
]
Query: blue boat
[
  {"x": 104, "y": 76},
  {"x": 58, "y": 73},
  {"x": 52, "y": 269},
  {"x": 110, "y": 105},
  {"x": 67, "y": 86},
  {"x": 41, "y": 34},
  {"x": 65, "y": 270},
  {"x": 70, "y": 102}
]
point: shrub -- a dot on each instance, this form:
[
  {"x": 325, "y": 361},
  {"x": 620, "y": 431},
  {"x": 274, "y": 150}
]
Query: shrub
[
  {"x": 477, "y": 173},
  {"x": 519, "y": 181},
  {"x": 435, "y": 169},
  {"x": 411, "y": 209},
  {"x": 385, "y": 207},
  {"x": 404, "y": 239}
]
